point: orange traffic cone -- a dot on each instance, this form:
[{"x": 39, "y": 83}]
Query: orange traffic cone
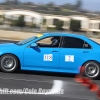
[
  {"x": 79, "y": 78},
  {"x": 93, "y": 87},
  {"x": 82, "y": 69},
  {"x": 86, "y": 81}
]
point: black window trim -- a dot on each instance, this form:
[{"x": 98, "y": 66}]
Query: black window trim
[
  {"x": 88, "y": 44},
  {"x": 76, "y": 38}
]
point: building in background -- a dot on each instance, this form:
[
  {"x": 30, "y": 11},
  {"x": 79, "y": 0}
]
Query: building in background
[
  {"x": 29, "y": 16},
  {"x": 87, "y": 24}
]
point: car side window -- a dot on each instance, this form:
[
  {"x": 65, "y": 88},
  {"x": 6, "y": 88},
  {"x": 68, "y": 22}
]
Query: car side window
[
  {"x": 71, "y": 42},
  {"x": 49, "y": 42}
]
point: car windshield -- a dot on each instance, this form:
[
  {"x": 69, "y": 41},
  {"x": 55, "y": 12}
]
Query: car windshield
[{"x": 29, "y": 40}]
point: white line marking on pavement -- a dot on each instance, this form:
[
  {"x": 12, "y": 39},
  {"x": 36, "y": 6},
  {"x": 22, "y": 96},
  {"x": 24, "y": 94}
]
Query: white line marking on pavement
[{"x": 56, "y": 88}]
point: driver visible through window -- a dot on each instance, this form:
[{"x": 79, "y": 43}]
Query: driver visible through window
[{"x": 49, "y": 42}]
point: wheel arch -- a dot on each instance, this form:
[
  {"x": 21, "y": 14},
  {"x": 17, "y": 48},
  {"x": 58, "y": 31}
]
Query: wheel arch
[
  {"x": 91, "y": 60},
  {"x": 19, "y": 63}
]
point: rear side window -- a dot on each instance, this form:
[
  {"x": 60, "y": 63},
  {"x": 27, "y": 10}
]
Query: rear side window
[{"x": 71, "y": 42}]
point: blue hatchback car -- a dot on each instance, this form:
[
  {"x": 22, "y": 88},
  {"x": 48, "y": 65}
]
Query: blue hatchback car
[{"x": 53, "y": 52}]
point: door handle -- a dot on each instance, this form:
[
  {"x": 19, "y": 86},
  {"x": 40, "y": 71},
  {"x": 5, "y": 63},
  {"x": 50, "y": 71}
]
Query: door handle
[
  {"x": 85, "y": 51},
  {"x": 54, "y": 51}
]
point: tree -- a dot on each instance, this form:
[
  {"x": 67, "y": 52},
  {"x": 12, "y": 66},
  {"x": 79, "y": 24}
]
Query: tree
[
  {"x": 13, "y": 22},
  {"x": 75, "y": 25},
  {"x": 44, "y": 21},
  {"x": 51, "y": 4},
  {"x": 33, "y": 25},
  {"x": 68, "y": 6},
  {"x": 2, "y": 17},
  {"x": 57, "y": 8},
  {"x": 59, "y": 25},
  {"x": 78, "y": 4},
  {"x": 20, "y": 22},
  {"x": 28, "y": 3},
  {"x": 55, "y": 21}
]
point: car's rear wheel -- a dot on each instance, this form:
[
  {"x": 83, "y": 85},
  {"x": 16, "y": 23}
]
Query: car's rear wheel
[
  {"x": 91, "y": 69},
  {"x": 8, "y": 63}
]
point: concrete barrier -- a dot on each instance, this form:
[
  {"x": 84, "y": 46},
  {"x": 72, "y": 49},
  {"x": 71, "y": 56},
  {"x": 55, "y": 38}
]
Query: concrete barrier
[{"x": 14, "y": 35}]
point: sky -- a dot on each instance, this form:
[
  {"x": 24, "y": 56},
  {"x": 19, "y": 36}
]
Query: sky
[{"x": 93, "y": 5}]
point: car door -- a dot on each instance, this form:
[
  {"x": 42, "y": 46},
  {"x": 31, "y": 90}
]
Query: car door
[
  {"x": 43, "y": 56},
  {"x": 73, "y": 53}
]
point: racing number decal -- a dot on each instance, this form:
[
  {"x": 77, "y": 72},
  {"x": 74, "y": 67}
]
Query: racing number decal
[
  {"x": 69, "y": 58},
  {"x": 48, "y": 57},
  {"x": 39, "y": 35}
]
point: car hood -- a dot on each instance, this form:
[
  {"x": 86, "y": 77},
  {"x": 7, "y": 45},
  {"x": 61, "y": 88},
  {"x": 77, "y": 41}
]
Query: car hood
[{"x": 7, "y": 44}]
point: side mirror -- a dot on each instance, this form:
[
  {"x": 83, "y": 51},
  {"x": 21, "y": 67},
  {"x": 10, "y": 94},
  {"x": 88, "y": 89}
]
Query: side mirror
[{"x": 33, "y": 45}]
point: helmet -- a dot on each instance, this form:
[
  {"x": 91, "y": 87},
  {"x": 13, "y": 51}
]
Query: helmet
[{"x": 55, "y": 41}]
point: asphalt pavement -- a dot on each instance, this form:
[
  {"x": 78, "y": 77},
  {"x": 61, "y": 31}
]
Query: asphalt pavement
[{"x": 40, "y": 83}]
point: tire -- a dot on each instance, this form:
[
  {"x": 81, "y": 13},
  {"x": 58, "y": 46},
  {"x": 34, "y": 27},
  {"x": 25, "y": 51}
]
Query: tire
[
  {"x": 8, "y": 63},
  {"x": 91, "y": 69}
]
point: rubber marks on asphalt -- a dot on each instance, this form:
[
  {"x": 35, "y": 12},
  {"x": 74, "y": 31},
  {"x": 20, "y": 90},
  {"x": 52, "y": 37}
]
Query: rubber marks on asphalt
[{"x": 87, "y": 82}]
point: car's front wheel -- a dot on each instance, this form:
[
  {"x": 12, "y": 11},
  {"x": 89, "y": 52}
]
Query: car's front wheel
[
  {"x": 8, "y": 63},
  {"x": 91, "y": 69}
]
